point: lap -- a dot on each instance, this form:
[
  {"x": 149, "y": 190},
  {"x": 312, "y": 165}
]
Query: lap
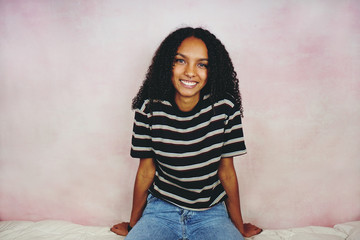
[
  {"x": 151, "y": 228},
  {"x": 164, "y": 221},
  {"x": 216, "y": 230}
]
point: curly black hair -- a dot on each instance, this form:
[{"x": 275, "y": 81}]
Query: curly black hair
[{"x": 222, "y": 78}]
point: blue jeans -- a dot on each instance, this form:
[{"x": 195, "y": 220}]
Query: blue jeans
[{"x": 164, "y": 221}]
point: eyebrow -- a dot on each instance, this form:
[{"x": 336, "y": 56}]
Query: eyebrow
[{"x": 201, "y": 59}]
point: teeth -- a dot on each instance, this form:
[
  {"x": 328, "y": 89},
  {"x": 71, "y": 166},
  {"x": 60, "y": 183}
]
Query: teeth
[{"x": 188, "y": 83}]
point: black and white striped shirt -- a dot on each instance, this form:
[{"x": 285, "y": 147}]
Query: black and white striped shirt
[{"x": 187, "y": 148}]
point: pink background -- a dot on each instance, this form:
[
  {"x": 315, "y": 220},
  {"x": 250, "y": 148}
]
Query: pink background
[{"x": 69, "y": 69}]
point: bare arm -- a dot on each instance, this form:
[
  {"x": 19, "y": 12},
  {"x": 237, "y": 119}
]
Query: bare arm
[
  {"x": 228, "y": 178},
  {"x": 144, "y": 179}
]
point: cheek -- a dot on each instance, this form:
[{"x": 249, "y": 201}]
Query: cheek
[
  {"x": 203, "y": 75},
  {"x": 176, "y": 71}
]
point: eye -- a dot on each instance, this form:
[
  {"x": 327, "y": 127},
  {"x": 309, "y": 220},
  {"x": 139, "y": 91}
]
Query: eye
[
  {"x": 202, "y": 65},
  {"x": 179, "y": 61}
]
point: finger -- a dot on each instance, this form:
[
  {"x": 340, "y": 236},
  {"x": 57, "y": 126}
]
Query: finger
[
  {"x": 117, "y": 225},
  {"x": 117, "y": 231},
  {"x": 252, "y": 226}
]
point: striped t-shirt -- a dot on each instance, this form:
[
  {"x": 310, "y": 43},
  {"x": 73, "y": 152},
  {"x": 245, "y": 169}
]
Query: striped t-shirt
[{"x": 187, "y": 148}]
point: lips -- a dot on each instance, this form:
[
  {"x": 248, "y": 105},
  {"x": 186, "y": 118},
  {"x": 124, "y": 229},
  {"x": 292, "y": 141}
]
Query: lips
[{"x": 188, "y": 84}]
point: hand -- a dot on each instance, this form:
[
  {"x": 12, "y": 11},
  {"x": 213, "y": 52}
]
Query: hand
[
  {"x": 250, "y": 230},
  {"x": 121, "y": 228}
]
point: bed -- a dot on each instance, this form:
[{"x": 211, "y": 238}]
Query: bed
[{"x": 62, "y": 230}]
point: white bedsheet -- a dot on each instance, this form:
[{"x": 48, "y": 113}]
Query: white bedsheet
[{"x": 61, "y": 230}]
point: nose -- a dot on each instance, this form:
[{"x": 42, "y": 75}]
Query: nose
[{"x": 190, "y": 72}]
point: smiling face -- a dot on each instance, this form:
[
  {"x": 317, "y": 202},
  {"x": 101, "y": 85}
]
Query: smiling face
[{"x": 189, "y": 74}]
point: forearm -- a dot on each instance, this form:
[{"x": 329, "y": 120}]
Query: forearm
[
  {"x": 143, "y": 181},
  {"x": 233, "y": 204},
  {"x": 229, "y": 181}
]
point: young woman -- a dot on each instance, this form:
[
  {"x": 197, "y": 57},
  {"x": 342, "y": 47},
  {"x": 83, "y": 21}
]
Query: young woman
[{"x": 187, "y": 129}]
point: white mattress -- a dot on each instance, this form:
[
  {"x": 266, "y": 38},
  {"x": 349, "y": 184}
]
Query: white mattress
[{"x": 61, "y": 230}]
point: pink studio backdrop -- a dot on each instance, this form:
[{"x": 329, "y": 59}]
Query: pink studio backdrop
[{"x": 69, "y": 69}]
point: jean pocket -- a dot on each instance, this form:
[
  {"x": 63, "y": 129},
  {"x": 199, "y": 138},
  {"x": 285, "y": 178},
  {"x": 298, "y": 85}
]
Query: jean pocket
[
  {"x": 220, "y": 209},
  {"x": 150, "y": 198}
]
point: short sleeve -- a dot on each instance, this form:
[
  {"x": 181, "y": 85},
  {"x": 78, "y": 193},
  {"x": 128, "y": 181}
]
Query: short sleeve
[
  {"x": 141, "y": 143},
  {"x": 234, "y": 143}
]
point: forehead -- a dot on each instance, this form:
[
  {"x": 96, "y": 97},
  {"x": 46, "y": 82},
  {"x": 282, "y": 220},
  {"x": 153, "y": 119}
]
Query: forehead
[{"x": 193, "y": 47}]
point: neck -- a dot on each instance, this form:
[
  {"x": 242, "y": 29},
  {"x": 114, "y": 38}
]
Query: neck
[{"x": 186, "y": 104}]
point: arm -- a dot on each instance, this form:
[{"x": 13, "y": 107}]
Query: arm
[
  {"x": 228, "y": 178},
  {"x": 144, "y": 179}
]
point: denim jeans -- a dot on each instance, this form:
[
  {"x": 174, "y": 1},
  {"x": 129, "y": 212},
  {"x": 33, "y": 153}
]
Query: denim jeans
[{"x": 164, "y": 221}]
